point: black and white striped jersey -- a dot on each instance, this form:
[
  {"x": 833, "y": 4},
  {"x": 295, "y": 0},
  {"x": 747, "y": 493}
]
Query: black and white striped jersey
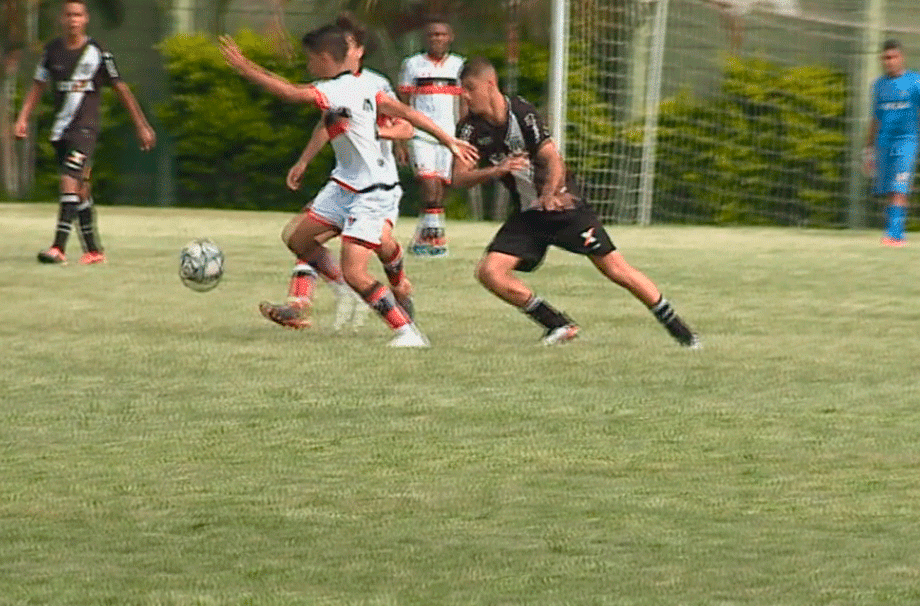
[
  {"x": 524, "y": 132},
  {"x": 77, "y": 77}
]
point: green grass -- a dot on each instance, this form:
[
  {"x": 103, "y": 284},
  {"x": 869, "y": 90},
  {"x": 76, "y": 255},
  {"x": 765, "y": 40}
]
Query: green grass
[{"x": 163, "y": 447}]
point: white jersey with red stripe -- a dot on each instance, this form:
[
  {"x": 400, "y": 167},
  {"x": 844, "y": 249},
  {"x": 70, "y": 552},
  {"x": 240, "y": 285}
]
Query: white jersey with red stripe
[
  {"x": 349, "y": 106},
  {"x": 433, "y": 88}
]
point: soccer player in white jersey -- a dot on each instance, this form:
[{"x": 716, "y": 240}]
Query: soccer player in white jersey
[
  {"x": 429, "y": 82},
  {"x": 354, "y": 202},
  {"x": 349, "y": 306},
  {"x": 77, "y": 68}
]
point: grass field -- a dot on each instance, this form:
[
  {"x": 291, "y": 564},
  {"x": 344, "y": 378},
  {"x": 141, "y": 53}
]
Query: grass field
[{"x": 163, "y": 447}]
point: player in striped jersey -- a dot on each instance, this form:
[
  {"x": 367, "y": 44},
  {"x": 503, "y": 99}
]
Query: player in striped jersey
[
  {"x": 516, "y": 149},
  {"x": 429, "y": 82},
  {"x": 355, "y": 202},
  {"x": 77, "y": 67}
]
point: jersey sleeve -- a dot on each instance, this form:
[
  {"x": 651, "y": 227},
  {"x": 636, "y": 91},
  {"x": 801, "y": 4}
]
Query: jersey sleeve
[
  {"x": 323, "y": 89},
  {"x": 109, "y": 71},
  {"x": 532, "y": 125}
]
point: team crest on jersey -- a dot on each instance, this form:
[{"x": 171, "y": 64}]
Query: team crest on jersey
[
  {"x": 901, "y": 177},
  {"x": 466, "y": 132}
]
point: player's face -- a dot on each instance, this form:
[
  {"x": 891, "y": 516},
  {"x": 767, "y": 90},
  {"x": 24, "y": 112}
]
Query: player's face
[
  {"x": 477, "y": 91},
  {"x": 74, "y": 18},
  {"x": 439, "y": 37},
  {"x": 893, "y": 62}
]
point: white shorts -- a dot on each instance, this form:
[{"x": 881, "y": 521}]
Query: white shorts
[
  {"x": 431, "y": 160},
  {"x": 357, "y": 216}
]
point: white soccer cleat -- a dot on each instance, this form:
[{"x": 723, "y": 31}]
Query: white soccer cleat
[
  {"x": 409, "y": 336},
  {"x": 561, "y": 334}
]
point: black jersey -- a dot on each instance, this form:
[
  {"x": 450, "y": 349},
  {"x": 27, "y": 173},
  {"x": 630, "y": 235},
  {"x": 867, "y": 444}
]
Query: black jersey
[
  {"x": 524, "y": 132},
  {"x": 77, "y": 77}
]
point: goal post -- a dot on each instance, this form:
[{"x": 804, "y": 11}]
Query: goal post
[{"x": 722, "y": 111}]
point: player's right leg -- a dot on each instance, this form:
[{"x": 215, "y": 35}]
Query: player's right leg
[
  {"x": 304, "y": 235},
  {"x": 432, "y": 163},
  {"x": 70, "y": 184},
  {"x": 516, "y": 247}
]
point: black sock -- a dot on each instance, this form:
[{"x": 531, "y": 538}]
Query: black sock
[
  {"x": 545, "y": 314},
  {"x": 66, "y": 214},
  {"x": 664, "y": 313},
  {"x": 86, "y": 214}
]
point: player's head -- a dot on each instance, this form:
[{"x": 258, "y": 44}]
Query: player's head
[
  {"x": 892, "y": 58},
  {"x": 74, "y": 17},
  {"x": 479, "y": 83},
  {"x": 327, "y": 50},
  {"x": 438, "y": 36},
  {"x": 360, "y": 41}
]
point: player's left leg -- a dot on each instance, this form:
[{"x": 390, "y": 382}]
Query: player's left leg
[
  {"x": 580, "y": 231},
  {"x": 896, "y": 169},
  {"x": 363, "y": 234},
  {"x": 86, "y": 217}
]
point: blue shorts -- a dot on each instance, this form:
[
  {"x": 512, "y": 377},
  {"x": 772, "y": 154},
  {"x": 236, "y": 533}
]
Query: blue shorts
[{"x": 895, "y": 160}]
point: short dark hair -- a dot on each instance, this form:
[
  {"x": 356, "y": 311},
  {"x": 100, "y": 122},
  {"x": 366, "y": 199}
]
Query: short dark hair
[
  {"x": 437, "y": 19},
  {"x": 327, "y": 39},
  {"x": 363, "y": 37},
  {"x": 476, "y": 66},
  {"x": 891, "y": 44}
]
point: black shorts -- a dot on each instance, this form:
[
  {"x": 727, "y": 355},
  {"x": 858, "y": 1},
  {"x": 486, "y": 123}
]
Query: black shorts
[
  {"x": 527, "y": 235},
  {"x": 75, "y": 153}
]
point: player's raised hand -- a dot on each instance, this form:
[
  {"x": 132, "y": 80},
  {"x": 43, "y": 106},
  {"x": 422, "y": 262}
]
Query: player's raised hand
[
  {"x": 466, "y": 152},
  {"x": 295, "y": 175},
  {"x": 232, "y": 53}
]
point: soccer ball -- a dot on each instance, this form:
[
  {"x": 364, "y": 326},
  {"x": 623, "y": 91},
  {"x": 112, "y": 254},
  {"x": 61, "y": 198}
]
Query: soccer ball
[{"x": 201, "y": 265}]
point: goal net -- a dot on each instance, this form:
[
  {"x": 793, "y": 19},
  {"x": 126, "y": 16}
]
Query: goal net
[{"x": 727, "y": 111}]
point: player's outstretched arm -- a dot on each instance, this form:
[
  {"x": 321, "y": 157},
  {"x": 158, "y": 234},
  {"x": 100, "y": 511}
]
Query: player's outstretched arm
[
  {"x": 395, "y": 129},
  {"x": 21, "y": 128},
  {"x": 271, "y": 82},
  {"x": 318, "y": 139},
  {"x": 460, "y": 149},
  {"x": 145, "y": 134},
  {"x": 465, "y": 174}
]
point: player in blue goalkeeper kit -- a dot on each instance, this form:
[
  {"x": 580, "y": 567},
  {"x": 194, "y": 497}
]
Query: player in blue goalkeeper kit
[{"x": 891, "y": 146}]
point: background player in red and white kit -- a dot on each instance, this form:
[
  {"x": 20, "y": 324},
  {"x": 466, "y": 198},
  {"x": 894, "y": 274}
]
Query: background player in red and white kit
[
  {"x": 515, "y": 148},
  {"x": 429, "y": 82},
  {"x": 77, "y": 67},
  {"x": 355, "y": 200}
]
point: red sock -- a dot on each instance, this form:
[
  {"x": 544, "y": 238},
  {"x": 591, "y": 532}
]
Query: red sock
[
  {"x": 394, "y": 267},
  {"x": 381, "y": 299},
  {"x": 303, "y": 280}
]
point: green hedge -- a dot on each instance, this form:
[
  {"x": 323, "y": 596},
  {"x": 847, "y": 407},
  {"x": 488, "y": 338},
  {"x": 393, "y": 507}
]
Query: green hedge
[
  {"x": 771, "y": 148},
  {"x": 234, "y": 143}
]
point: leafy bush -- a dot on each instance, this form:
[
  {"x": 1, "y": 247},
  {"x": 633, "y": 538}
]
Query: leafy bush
[
  {"x": 771, "y": 149},
  {"x": 233, "y": 142}
]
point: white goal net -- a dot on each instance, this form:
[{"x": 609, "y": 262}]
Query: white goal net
[{"x": 727, "y": 111}]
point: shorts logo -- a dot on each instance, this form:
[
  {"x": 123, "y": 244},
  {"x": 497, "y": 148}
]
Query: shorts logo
[
  {"x": 75, "y": 161},
  {"x": 590, "y": 240}
]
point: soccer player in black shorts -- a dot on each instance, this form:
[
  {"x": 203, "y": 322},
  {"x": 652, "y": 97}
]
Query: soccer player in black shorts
[
  {"x": 77, "y": 67},
  {"x": 515, "y": 148}
]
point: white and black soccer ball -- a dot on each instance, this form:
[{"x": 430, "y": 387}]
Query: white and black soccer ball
[{"x": 201, "y": 265}]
